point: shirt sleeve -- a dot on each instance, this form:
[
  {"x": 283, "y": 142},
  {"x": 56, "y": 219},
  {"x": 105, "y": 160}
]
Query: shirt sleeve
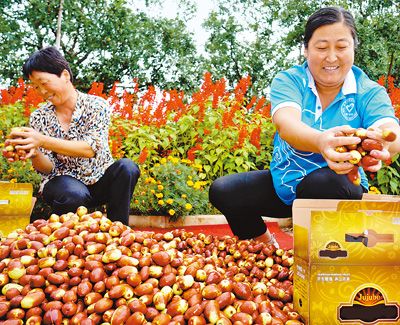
[
  {"x": 286, "y": 90},
  {"x": 378, "y": 108},
  {"x": 97, "y": 124}
]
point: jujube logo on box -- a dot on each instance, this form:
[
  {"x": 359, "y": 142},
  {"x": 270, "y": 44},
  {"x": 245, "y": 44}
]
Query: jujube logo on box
[
  {"x": 333, "y": 249},
  {"x": 369, "y": 307}
]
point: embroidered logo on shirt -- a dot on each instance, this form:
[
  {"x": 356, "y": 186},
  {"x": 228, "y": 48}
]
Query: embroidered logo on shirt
[
  {"x": 277, "y": 156},
  {"x": 348, "y": 109}
]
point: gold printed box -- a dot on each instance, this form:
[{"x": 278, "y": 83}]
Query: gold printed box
[
  {"x": 326, "y": 295},
  {"x": 15, "y": 206},
  {"x": 344, "y": 232}
]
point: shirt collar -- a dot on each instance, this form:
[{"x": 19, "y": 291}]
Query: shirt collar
[{"x": 349, "y": 84}]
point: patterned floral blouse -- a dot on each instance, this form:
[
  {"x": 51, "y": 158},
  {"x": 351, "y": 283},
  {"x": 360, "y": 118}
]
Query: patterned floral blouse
[{"x": 90, "y": 122}]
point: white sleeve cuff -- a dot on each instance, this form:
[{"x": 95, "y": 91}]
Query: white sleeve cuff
[{"x": 285, "y": 104}]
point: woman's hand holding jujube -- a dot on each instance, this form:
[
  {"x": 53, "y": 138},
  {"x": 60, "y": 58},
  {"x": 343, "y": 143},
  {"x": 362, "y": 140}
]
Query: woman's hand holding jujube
[
  {"x": 369, "y": 153},
  {"x": 27, "y": 139},
  {"x": 330, "y": 140}
]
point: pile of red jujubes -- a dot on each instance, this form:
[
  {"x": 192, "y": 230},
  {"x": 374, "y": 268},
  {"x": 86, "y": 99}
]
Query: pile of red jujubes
[
  {"x": 360, "y": 151},
  {"x": 81, "y": 268}
]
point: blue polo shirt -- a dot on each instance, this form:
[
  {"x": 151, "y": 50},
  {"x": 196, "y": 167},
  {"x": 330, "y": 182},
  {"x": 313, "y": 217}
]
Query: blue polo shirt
[{"x": 360, "y": 103}]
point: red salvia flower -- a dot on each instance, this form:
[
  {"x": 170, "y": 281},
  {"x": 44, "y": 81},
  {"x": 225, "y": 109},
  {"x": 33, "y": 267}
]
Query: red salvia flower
[
  {"x": 97, "y": 90},
  {"x": 251, "y": 103},
  {"x": 191, "y": 153},
  {"x": 143, "y": 155},
  {"x": 255, "y": 137},
  {"x": 242, "y": 135}
]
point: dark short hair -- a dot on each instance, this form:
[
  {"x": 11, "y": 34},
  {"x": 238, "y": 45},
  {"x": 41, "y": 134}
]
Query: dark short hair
[
  {"x": 48, "y": 60},
  {"x": 328, "y": 16}
]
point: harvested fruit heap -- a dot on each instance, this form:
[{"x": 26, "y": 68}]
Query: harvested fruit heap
[{"x": 81, "y": 268}]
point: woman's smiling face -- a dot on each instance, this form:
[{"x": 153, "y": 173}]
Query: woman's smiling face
[
  {"x": 330, "y": 55},
  {"x": 50, "y": 86}
]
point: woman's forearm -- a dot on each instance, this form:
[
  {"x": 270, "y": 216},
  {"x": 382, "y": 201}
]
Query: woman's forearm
[
  {"x": 41, "y": 163},
  {"x": 292, "y": 130},
  {"x": 67, "y": 147}
]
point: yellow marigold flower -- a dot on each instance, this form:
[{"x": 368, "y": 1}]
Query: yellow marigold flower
[
  {"x": 189, "y": 177},
  {"x": 373, "y": 190},
  {"x": 163, "y": 161},
  {"x": 171, "y": 212},
  {"x": 161, "y": 202},
  {"x": 156, "y": 165},
  {"x": 13, "y": 180},
  {"x": 152, "y": 191},
  {"x": 169, "y": 201},
  {"x": 198, "y": 166},
  {"x": 190, "y": 183},
  {"x": 159, "y": 195},
  {"x": 148, "y": 180},
  {"x": 160, "y": 187},
  {"x": 10, "y": 171},
  {"x": 197, "y": 185},
  {"x": 183, "y": 196},
  {"x": 32, "y": 169},
  {"x": 188, "y": 206},
  {"x": 175, "y": 160}
]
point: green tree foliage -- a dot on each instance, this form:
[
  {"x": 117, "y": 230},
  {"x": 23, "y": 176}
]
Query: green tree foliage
[
  {"x": 378, "y": 28},
  {"x": 278, "y": 28},
  {"x": 231, "y": 53},
  {"x": 103, "y": 40},
  {"x": 106, "y": 40},
  {"x": 378, "y": 24}
]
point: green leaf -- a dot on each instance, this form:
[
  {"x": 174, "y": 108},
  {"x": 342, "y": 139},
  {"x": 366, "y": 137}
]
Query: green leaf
[{"x": 239, "y": 161}]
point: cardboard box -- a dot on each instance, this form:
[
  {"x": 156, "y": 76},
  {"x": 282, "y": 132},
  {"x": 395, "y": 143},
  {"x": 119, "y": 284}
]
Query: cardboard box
[
  {"x": 345, "y": 232},
  {"x": 326, "y": 294},
  {"x": 380, "y": 197},
  {"x": 16, "y": 203}
]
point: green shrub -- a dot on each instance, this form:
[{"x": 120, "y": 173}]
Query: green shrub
[
  {"x": 387, "y": 178},
  {"x": 244, "y": 144},
  {"x": 172, "y": 188}
]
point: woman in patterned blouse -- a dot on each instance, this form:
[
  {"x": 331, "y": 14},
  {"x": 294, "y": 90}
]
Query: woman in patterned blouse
[{"x": 67, "y": 142}]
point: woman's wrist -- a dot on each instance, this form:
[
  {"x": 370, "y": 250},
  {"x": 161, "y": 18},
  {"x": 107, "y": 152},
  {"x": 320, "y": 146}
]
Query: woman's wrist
[{"x": 42, "y": 141}]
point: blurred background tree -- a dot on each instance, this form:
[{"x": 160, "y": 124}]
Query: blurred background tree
[
  {"x": 107, "y": 40},
  {"x": 103, "y": 40}
]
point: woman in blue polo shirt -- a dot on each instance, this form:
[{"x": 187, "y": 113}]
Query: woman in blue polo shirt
[{"x": 311, "y": 105}]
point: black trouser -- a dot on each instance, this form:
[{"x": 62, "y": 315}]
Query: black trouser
[
  {"x": 115, "y": 189},
  {"x": 245, "y": 197}
]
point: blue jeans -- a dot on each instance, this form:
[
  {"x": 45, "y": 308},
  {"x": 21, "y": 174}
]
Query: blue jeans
[{"x": 115, "y": 189}]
